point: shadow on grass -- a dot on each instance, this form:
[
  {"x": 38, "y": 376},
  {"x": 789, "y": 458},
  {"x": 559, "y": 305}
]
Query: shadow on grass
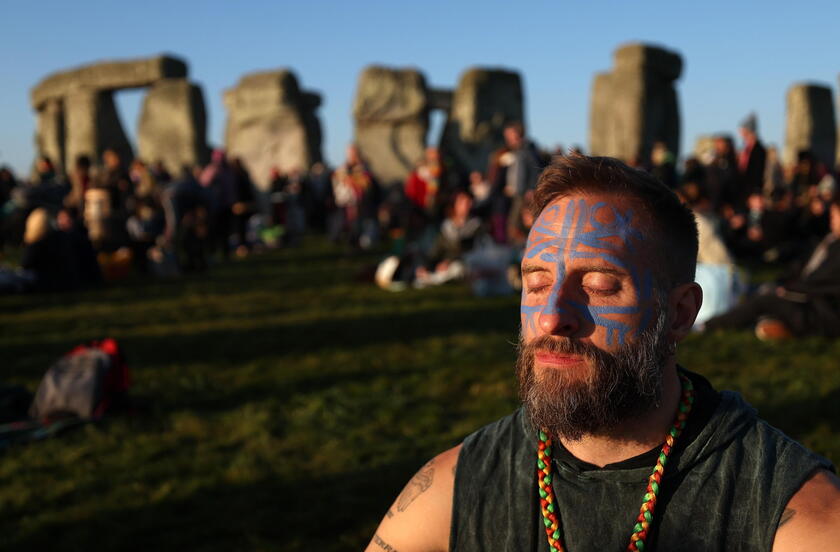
[
  {"x": 236, "y": 346},
  {"x": 330, "y": 513},
  {"x": 281, "y": 270}
]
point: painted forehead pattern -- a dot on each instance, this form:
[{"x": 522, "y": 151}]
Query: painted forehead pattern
[{"x": 586, "y": 230}]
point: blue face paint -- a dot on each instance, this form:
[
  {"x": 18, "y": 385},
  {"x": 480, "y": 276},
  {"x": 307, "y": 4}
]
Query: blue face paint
[{"x": 583, "y": 235}]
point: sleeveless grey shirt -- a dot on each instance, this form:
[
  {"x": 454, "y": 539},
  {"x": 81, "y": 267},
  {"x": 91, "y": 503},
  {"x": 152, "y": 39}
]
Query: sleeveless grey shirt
[{"x": 725, "y": 487}]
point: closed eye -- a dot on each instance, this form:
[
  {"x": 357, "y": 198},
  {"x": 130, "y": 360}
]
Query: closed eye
[
  {"x": 538, "y": 289},
  {"x": 601, "y": 292}
]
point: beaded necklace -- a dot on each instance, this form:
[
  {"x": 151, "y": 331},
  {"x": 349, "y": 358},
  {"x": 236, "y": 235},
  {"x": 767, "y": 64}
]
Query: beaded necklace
[{"x": 548, "y": 502}]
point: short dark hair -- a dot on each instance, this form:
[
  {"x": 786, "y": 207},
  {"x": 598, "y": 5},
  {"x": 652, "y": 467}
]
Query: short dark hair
[{"x": 674, "y": 223}]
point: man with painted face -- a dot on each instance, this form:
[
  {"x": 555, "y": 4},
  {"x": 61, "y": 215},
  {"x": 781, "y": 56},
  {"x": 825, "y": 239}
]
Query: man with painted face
[{"x": 616, "y": 447}]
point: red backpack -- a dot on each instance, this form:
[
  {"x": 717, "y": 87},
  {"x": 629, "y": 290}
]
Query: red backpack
[{"x": 87, "y": 382}]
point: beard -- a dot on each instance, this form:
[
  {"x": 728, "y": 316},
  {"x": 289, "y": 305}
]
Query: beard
[{"x": 617, "y": 386}]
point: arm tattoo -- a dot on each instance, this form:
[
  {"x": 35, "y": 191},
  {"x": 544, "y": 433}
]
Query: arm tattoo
[
  {"x": 419, "y": 484},
  {"x": 377, "y": 540},
  {"x": 787, "y": 515}
]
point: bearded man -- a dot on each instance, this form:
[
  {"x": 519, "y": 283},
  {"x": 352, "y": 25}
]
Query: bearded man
[{"x": 616, "y": 446}]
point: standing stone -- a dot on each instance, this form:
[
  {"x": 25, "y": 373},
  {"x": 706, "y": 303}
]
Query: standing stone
[
  {"x": 483, "y": 103},
  {"x": 272, "y": 123},
  {"x": 173, "y": 125},
  {"x": 49, "y": 133},
  {"x": 811, "y": 124},
  {"x": 636, "y": 104},
  {"x": 76, "y": 111},
  {"x": 92, "y": 125},
  {"x": 391, "y": 112}
]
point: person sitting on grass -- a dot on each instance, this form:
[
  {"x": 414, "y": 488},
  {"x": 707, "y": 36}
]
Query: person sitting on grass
[
  {"x": 806, "y": 304},
  {"x": 458, "y": 233},
  {"x": 616, "y": 446}
]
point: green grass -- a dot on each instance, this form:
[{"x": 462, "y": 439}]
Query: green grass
[{"x": 285, "y": 403}]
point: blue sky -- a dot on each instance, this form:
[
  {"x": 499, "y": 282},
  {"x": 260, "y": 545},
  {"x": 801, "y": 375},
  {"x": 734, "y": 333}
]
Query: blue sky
[{"x": 738, "y": 56}]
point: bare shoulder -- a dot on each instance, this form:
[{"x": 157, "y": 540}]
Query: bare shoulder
[
  {"x": 419, "y": 519},
  {"x": 811, "y": 520}
]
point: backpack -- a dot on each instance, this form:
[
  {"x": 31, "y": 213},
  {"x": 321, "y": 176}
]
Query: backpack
[{"x": 87, "y": 382}]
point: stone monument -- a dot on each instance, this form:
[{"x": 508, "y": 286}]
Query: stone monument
[
  {"x": 272, "y": 123},
  {"x": 635, "y": 104},
  {"x": 77, "y": 116},
  {"x": 811, "y": 124},
  {"x": 483, "y": 103},
  {"x": 391, "y": 114}
]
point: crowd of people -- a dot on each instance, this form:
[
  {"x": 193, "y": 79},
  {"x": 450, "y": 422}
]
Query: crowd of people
[
  {"x": 109, "y": 218},
  {"x": 104, "y": 221}
]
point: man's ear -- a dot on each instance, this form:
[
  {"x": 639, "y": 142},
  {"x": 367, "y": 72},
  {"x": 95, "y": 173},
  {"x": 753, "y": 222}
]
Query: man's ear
[{"x": 683, "y": 305}]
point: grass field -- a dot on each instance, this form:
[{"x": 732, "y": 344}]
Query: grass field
[{"x": 285, "y": 403}]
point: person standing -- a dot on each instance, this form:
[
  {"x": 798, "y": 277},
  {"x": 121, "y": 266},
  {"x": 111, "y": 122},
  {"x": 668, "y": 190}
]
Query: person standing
[
  {"x": 752, "y": 160},
  {"x": 217, "y": 179},
  {"x": 513, "y": 174}
]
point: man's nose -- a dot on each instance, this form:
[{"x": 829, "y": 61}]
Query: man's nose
[{"x": 558, "y": 317}]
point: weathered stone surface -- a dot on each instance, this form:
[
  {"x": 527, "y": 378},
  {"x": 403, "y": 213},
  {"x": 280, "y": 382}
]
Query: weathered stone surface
[
  {"x": 173, "y": 125},
  {"x": 483, "y": 103},
  {"x": 49, "y": 132},
  {"x": 272, "y": 123},
  {"x": 92, "y": 125},
  {"x": 643, "y": 58},
  {"x": 811, "y": 124},
  {"x": 391, "y": 112},
  {"x": 635, "y": 104},
  {"x": 108, "y": 75}
]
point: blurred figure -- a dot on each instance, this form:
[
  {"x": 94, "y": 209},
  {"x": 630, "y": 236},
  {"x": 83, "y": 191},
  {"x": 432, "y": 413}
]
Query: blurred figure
[
  {"x": 425, "y": 187},
  {"x": 45, "y": 172},
  {"x": 187, "y": 210},
  {"x": 145, "y": 225},
  {"x": 513, "y": 173},
  {"x": 8, "y": 207},
  {"x": 663, "y": 165},
  {"x": 774, "y": 178},
  {"x": 244, "y": 205},
  {"x": 80, "y": 181},
  {"x": 480, "y": 190},
  {"x": 356, "y": 197},
  {"x": 143, "y": 182},
  {"x": 752, "y": 160},
  {"x": 217, "y": 180},
  {"x": 804, "y": 177},
  {"x": 319, "y": 196},
  {"x": 48, "y": 254},
  {"x": 716, "y": 272},
  {"x": 295, "y": 190},
  {"x": 805, "y": 304},
  {"x": 722, "y": 175},
  {"x": 425, "y": 192},
  {"x": 277, "y": 196},
  {"x": 114, "y": 178},
  {"x": 160, "y": 173},
  {"x": 456, "y": 237},
  {"x": 82, "y": 250}
]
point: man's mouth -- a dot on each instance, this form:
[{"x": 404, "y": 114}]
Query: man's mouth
[{"x": 558, "y": 359}]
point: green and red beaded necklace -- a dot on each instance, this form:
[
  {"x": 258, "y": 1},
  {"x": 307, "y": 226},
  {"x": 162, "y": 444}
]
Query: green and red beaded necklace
[{"x": 548, "y": 502}]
